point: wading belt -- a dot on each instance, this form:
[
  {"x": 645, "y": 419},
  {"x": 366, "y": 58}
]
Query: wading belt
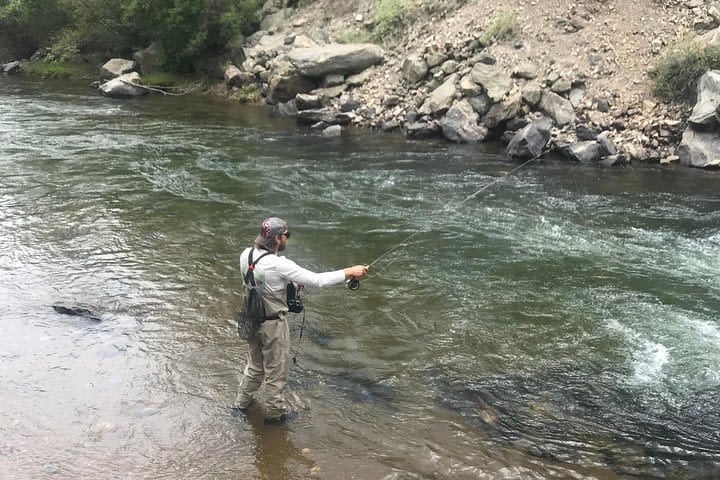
[{"x": 250, "y": 277}]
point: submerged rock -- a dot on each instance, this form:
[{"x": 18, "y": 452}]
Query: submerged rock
[
  {"x": 123, "y": 87},
  {"x": 77, "y": 312}
]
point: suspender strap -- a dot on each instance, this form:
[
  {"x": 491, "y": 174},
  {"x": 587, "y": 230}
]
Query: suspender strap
[{"x": 249, "y": 275}]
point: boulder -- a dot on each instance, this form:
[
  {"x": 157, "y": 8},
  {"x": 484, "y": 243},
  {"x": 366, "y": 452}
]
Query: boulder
[
  {"x": 704, "y": 114},
  {"x": 326, "y": 115},
  {"x": 147, "y": 59},
  {"x": 418, "y": 130},
  {"x": 122, "y": 87},
  {"x": 12, "y": 68},
  {"x": 414, "y": 69},
  {"x": 441, "y": 98},
  {"x": 556, "y": 107},
  {"x": 332, "y": 131},
  {"x": 531, "y": 140},
  {"x": 234, "y": 77},
  {"x": 116, "y": 67},
  {"x": 700, "y": 149},
  {"x": 316, "y": 62},
  {"x": 584, "y": 152},
  {"x": 284, "y": 87},
  {"x": 608, "y": 147},
  {"x": 287, "y": 109},
  {"x": 495, "y": 82},
  {"x": 481, "y": 103},
  {"x": 460, "y": 124},
  {"x": 39, "y": 54},
  {"x": 307, "y": 102},
  {"x": 500, "y": 113},
  {"x": 274, "y": 22}
]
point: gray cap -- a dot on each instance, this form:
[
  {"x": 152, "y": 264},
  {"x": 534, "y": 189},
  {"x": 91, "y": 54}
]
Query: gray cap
[{"x": 272, "y": 227}]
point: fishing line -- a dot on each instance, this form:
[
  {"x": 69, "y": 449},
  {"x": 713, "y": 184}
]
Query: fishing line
[{"x": 353, "y": 283}]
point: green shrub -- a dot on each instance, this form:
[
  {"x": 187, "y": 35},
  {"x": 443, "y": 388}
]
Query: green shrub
[
  {"x": 502, "y": 27},
  {"x": 676, "y": 73},
  {"x": 355, "y": 36},
  {"x": 248, "y": 94},
  {"x": 390, "y": 17}
]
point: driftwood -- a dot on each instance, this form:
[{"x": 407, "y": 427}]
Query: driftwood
[{"x": 185, "y": 89}]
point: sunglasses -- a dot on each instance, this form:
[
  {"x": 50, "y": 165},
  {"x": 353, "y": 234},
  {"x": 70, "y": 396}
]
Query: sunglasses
[{"x": 287, "y": 234}]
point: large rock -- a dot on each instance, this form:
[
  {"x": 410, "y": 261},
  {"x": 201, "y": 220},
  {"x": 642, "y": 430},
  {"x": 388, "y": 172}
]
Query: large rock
[
  {"x": 12, "y": 68},
  {"x": 234, "y": 77},
  {"x": 704, "y": 115},
  {"x": 147, "y": 59},
  {"x": 335, "y": 58},
  {"x": 460, "y": 124},
  {"x": 707, "y": 39},
  {"x": 531, "y": 140},
  {"x": 116, "y": 67},
  {"x": 556, "y": 107},
  {"x": 123, "y": 87},
  {"x": 414, "y": 69},
  {"x": 441, "y": 98},
  {"x": 700, "y": 149},
  {"x": 500, "y": 113},
  {"x": 495, "y": 81},
  {"x": 584, "y": 152},
  {"x": 418, "y": 130},
  {"x": 285, "y": 86}
]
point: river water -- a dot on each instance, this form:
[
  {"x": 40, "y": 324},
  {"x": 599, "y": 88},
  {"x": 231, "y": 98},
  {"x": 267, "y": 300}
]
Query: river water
[{"x": 563, "y": 323}]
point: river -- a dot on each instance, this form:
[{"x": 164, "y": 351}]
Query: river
[{"x": 563, "y": 323}]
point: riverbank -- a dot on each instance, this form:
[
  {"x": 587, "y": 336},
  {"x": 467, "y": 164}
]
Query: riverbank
[{"x": 474, "y": 71}]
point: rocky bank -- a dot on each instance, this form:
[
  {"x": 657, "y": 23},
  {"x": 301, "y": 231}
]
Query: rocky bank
[{"x": 571, "y": 79}]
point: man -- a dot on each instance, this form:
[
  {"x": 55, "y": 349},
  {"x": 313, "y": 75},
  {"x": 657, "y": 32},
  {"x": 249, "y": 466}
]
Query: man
[{"x": 268, "y": 359}]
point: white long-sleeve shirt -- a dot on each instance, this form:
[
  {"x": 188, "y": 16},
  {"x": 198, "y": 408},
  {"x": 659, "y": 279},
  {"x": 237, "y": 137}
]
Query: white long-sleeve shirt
[{"x": 274, "y": 272}]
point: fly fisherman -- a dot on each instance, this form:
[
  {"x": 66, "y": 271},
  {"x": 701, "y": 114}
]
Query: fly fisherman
[{"x": 268, "y": 359}]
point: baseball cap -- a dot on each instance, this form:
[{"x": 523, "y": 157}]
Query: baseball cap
[{"x": 272, "y": 227}]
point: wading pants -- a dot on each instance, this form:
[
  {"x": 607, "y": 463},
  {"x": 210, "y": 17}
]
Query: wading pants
[{"x": 267, "y": 361}]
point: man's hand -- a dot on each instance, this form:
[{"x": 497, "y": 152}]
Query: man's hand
[{"x": 357, "y": 271}]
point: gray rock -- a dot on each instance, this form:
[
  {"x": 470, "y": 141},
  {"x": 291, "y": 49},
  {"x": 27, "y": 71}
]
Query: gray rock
[
  {"x": 332, "y": 80},
  {"x": 576, "y": 96},
  {"x": 584, "y": 132},
  {"x": 147, "y": 59},
  {"x": 307, "y": 102},
  {"x": 335, "y": 58},
  {"x": 391, "y": 101},
  {"x": 274, "y": 22},
  {"x": 700, "y": 149},
  {"x": 332, "y": 131},
  {"x": 358, "y": 79},
  {"x": 389, "y": 126},
  {"x": 122, "y": 87},
  {"x": 556, "y": 107},
  {"x": 561, "y": 86},
  {"x": 418, "y": 130},
  {"x": 449, "y": 67},
  {"x": 414, "y": 69},
  {"x": 435, "y": 58},
  {"x": 348, "y": 103},
  {"x": 39, "y": 54},
  {"x": 501, "y": 112},
  {"x": 608, "y": 147},
  {"x": 527, "y": 71},
  {"x": 11, "y": 68},
  {"x": 460, "y": 124},
  {"x": 704, "y": 115},
  {"x": 284, "y": 88},
  {"x": 495, "y": 82},
  {"x": 234, "y": 77},
  {"x": 532, "y": 95},
  {"x": 481, "y": 103},
  {"x": 117, "y": 67},
  {"x": 584, "y": 152},
  {"x": 287, "y": 109},
  {"x": 441, "y": 98},
  {"x": 327, "y": 94},
  {"x": 613, "y": 161},
  {"x": 468, "y": 88},
  {"x": 531, "y": 140}
]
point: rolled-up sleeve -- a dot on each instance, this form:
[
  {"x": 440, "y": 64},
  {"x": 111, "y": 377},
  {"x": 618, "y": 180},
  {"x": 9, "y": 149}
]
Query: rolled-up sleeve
[{"x": 302, "y": 276}]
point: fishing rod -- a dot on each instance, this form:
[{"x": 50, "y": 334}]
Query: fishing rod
[{"x": 353, "y": 283}]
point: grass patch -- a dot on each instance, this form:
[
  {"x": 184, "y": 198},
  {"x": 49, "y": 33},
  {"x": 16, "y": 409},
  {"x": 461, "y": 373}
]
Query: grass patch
[
  {"x": 248, "y": 94},
  {"x": 676, "y": 73},
  {"x": 61, "y": 70},
  {"x": 355, "y": 36},
  {"x": 165, "y": 79},
  {"x": 390, "y": 18},
  {"x": 501, "y": 28}
]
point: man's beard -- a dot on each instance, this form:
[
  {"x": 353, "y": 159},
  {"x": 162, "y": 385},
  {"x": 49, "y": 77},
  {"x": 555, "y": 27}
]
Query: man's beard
[{"x": 281, "y": 247}]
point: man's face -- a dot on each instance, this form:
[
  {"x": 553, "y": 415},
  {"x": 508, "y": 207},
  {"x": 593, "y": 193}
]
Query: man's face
[{"x": 282, "y": 241}]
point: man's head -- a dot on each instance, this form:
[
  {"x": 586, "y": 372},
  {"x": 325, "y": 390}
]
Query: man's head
[{"x": 273, "y": 234}]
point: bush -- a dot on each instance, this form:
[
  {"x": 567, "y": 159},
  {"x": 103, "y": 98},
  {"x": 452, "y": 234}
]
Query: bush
[
  {"x": 675, "y": 75},
  {"x": 500, "y": 28},
  {"x": 390, "y": 17},
  {"x": 61, "y": 70}
]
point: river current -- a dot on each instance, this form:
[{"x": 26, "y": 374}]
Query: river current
[{"x": 563, "y": 323}]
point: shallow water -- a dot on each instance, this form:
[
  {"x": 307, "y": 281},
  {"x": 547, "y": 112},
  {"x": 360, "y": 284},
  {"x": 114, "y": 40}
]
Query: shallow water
[{"x": 561, "y": 324}]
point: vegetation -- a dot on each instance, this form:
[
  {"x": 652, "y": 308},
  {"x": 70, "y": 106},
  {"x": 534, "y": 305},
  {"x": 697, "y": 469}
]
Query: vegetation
[
  {"x": 390, "y": 17},
  {"x": 63, "y": 69},
  {"x": 675, "y": 75},
  {"x": 500, "y": 28},
  {"x": 248, "y": 94},
  {"x": 183, "y": 29}
]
